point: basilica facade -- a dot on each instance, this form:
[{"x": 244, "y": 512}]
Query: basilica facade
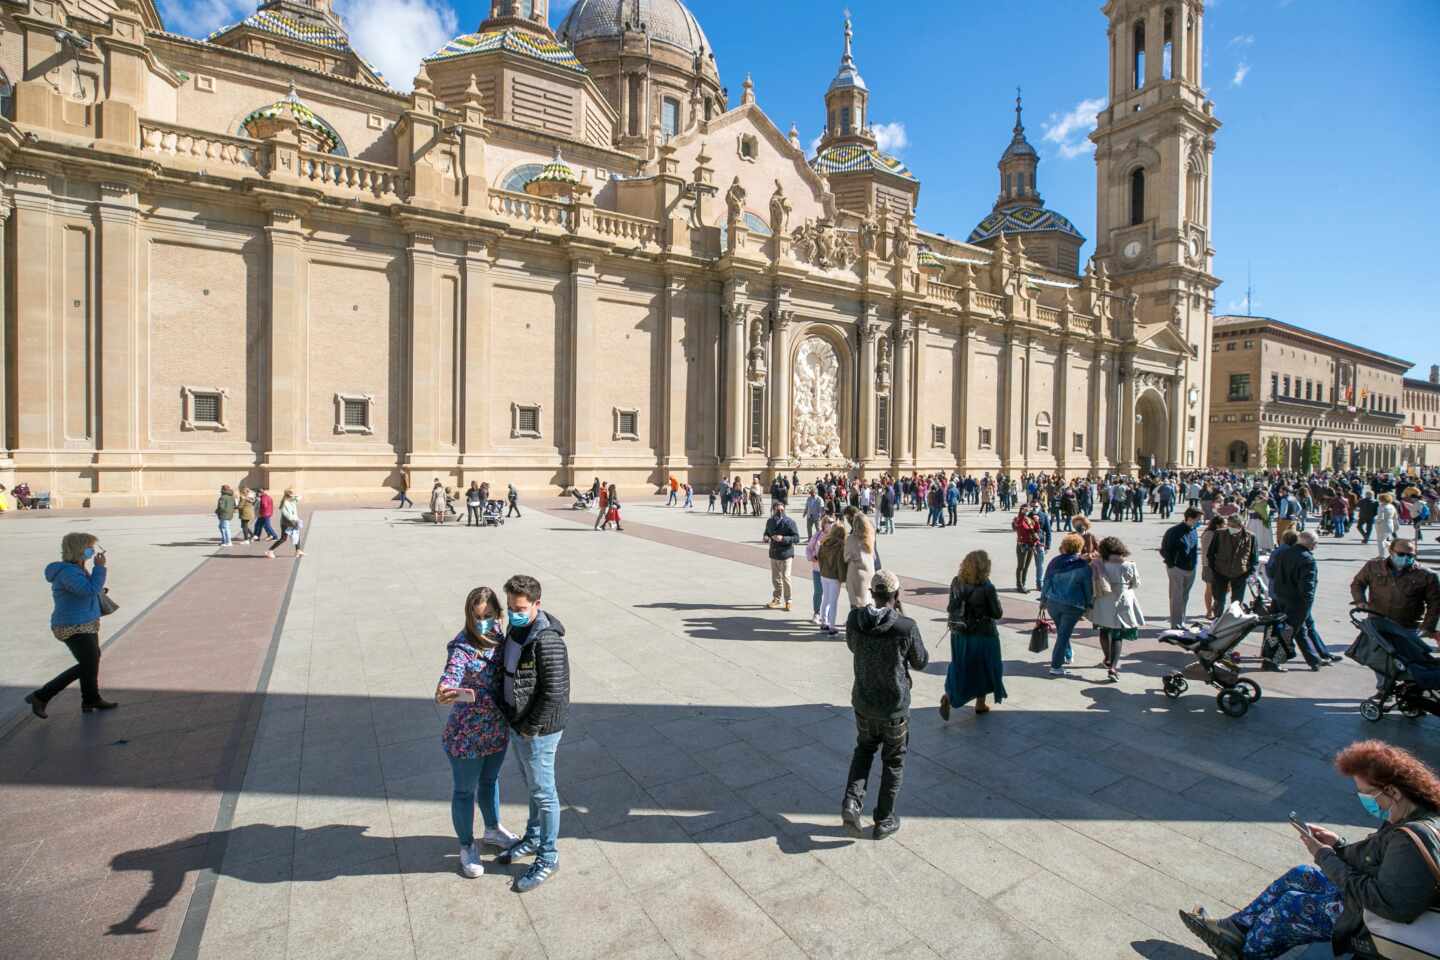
[{"x": 570, "y": 251}]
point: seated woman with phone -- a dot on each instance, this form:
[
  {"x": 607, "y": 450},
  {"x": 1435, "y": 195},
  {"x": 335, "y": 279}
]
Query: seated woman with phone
[
  {"x": 476, "y": 735},
  {"x": 1375, "y": 897}
]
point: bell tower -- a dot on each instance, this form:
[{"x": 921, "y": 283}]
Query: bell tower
[
  {"x": 1154, "y": 145},
  {"x": 847, "y": 102}
]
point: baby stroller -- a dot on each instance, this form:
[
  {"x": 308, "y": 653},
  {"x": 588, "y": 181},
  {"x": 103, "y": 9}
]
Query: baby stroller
[
  {"x": 1212, "y": 643},
  {"x": 584, "y": 499},
  {"x": 492, "y": 514},
  {"x": 1391, "y": 658}
]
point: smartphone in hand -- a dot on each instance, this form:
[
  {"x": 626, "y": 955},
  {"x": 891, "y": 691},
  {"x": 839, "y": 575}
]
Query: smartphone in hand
[
  {"x": 462, "y": 695},
  {"x": 1299, "y": 824}
]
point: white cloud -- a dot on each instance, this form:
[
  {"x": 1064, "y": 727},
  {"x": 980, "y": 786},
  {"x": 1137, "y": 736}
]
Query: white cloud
[
  {"x": 1240, "y": 307},
  {"x": 1070, "y": 132},
  {"x": 815, "y": 145},
  {"x": 1243, "y": 40},
  {"x": 395, "y": 35},
  {"x": 891, "y": 136},
  {"x": 1241, "y": 72},
  {"x": 200, "y": 18}
]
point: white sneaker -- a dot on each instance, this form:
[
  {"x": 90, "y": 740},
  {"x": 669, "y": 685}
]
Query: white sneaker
[
  {"x": 1059, "y": 672},
  {"x": 499, "y": 838},
  {"x": 470, "y": 865},
  {"x": 815, "y": 619}
]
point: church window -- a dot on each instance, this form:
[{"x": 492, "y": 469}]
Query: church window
[
  {"x": 525, "y": 420},
  {"x": 757, "y": 418},
  {"x": 633, "y": 106},
  {"x": 937, "y": 435},
  {"x": 845, "y": 121},
  {"x": 627, "y": 424},
  {"x": 1077, "y": 442},
  {"x": 882, "y": 424},
  {"x": 527, "y": 9},
  {"x": 1308, "y": 389},
  {"x": 1137, "y": 66},
  {"x": 1274, "y": 385},
  {"x": 203, "y": 408},
  {"x": 352, "y": 413},
  {"x": 669, "y": 117},
  {"x": 985, "y": 440},
  {"x": 1287, "y": 388},
  {"x": 515, "y": 180},
  {"x": 1195, "y": 192},
  {"x": 1167, "y": 61},
  {"x": 1137, "y": 197},
  {"x": 1042, "y": 440}
]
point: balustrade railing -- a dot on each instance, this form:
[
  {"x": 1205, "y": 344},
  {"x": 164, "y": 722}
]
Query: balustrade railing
[
  {"x": 349, "y": 174},
  {"x": 1047, "y": 315},
  {"x": 625, "y": 229},
  {"x": 524, "y": 208},
  {"x": 197, "y": 146},
  {"x": 987, "y": 301},
  {"x": 944, "y": 292}
]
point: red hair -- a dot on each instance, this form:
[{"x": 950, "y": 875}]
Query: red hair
[{"x": 1387, "y": 766}]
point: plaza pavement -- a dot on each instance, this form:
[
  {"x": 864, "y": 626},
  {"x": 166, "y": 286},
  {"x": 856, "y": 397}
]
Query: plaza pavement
[{"x": 273, "y": 784}]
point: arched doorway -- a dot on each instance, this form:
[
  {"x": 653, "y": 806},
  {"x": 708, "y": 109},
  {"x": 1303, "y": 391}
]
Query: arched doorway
[
  {"x": 1238, "y": 454},
  {"x": 1152, "y": 431}
]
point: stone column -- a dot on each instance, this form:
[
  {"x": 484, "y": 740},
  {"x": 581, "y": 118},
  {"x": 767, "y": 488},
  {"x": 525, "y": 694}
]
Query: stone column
[
  {"x": 286, "y": 398},
  {"x": 1060, "y": 419},
  {"x": 581, "y": 349},
  {"x": 1175, "y": 400},
  {"x": 118, "y": 448},
  {"x": 423, "y": 354},
  {"x": 36, "y": 408},
  {"x": 477, "y": 384},
  {"x": 7, "y": 465},
  {"x": 869, "y": 330},
  {"x": 734, "y": 317},
  {"x": 676, "y": 377},
  {"x": 780, "y": 387},
  {"x": 901, "y": 440},
  {"x": 1127, "y": 415},
  {"x": 1097, "y": 421}
]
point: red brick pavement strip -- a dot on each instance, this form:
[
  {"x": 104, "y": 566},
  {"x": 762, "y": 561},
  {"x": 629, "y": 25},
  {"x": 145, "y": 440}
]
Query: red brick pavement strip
[
  {"x": 1339, "y": 683},
  {"x": 92, "y": 806}
]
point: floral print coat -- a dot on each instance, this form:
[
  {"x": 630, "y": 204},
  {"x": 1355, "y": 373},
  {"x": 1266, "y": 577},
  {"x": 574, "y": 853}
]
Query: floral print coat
[{"x": 476, "y": 729}]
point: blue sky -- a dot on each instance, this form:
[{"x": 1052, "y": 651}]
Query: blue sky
[{"x": 1324, "y": 170}]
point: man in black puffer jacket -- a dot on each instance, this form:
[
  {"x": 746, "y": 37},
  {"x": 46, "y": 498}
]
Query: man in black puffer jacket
[
  {"x": 886, "y": 645},
  {"x": 536, "y": 699}
]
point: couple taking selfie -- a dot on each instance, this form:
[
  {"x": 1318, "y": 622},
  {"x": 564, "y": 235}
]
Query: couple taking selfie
[{"x": 507, "y": 682}]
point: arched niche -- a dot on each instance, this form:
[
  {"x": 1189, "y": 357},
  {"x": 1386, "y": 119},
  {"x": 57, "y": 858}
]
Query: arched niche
[{"x": 802, "y": 391}]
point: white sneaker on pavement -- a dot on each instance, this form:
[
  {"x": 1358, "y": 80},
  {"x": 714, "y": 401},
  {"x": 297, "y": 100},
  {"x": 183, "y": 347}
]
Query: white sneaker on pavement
[
  {"x": 500, "y": 838},
  {"x": 470, "y": 865}
]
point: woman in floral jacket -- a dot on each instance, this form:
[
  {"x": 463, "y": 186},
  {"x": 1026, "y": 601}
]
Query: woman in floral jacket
[{"x": 476, "y": 734}]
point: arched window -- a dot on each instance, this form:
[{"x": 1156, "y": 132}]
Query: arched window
[
  {"x": 1167, "y": 56},
  {"x": 633, "y": 103},
  {"x": 1195, "y": 190},
  {"x": 845, "y": 121},
  {"x": 1137, "y": 197},
  {"x": 709, "y": 108},
  {"x": 515, "y": 180},
  {"x": 669, "y": 117},
  {"x": 1137, "y": 66}
]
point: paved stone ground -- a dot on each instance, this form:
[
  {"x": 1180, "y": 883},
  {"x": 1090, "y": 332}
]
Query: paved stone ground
[{"x": 274, "y": 787}]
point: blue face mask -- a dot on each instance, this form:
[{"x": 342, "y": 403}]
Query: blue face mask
[
  {"x": 518, "y": 619},
  {"x": 1372, "y": 806},
  {"x": 1402, "y": 561},
  {"x": 485, "y": 625},
  {"x": 89, "y": 552}
]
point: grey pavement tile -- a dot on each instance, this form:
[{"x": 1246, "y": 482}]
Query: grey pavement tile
[
  {"x": 1086, "y": 927},
  {"x": 699, "y": 732},
  {"x": 269, "y": 941},
  {"x": 249, "y": 898},
  {"x": 979, "y": 862},
  {"x": 828, "y": 918},
  {"x": 650, "y": 764},
  {"x": 582, "y": 758},
  {"x": 758, "y": 857},
  {"x": 385, "y": 943},
  {"x": 700, "y": 803},
  {"x": 706, "y": 915},
  {"x": 607, "y": 800},
  {"x": 315, "y": 904},
  {"x": 739, "y": 765},
  {"x": 651, "y": 850},
  {"x": 793, "y": 805},
  {"x": 595, "y": 921}
]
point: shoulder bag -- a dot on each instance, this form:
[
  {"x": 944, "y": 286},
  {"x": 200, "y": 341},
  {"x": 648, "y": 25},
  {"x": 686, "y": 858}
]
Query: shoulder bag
[
  {"x": 107, "y": 606},
  {"x": 1420, "y": 938}
]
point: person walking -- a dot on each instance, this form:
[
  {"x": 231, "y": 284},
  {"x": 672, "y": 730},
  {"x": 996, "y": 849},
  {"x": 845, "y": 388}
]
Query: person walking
[
  {"x": 1180, "y": 550},
  {"x": 513, "y": 496},
  {"x": 1027, "y": 540},
  {"x": 438, "y": 508},
  {"x": 1069, "y": 592},
  {"x": 814, "y": 510},
  {"x": 536, "y": 699},
  {"x": 603, "y": 502},
  {"x": 472, "y": 505},
  {"x": 290, "y": 524},
  {"x": 476, "y": 734},
  {"x": 245, "y": 506},
  {"x": 1387, "y": 523},
  {"x": 674, "y": 484},
  {"x": 1117, "y": 608},
  {"x": 885, "y": 645},
  {"x": 781, "y": 534},
  {"x": 833, "y": 572},
  {"x": 225, "y": 507},
  {"x": 812, "y": 553},
  {"x": 689, "y": 491},
  {"x": 612, "y": 511},
  {"x": 859, "y": 556},
  {"x": 1207, "y": 576},
  {"x": 1366, "y": 511},
  {"x": 402, "y": 496},
  {"x": 75, "y": 621},
  {"x": 1231, "y": 558},
  {"x": 887, "y": 510},
  {"x": 264, "y": 510},
  {"x": 1294, "y": 578},
  {"x": 976, "y": 668}
]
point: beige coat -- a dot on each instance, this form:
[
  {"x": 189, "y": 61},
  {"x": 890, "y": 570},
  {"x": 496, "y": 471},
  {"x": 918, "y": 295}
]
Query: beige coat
[{"x": 860, "y": 568}]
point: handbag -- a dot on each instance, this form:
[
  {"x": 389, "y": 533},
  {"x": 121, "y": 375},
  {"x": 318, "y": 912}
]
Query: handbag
[
  {"x": 1420, "y": 938},
  {"x": 1040, "y": 636},
  {"x": 107, "y": 606}
]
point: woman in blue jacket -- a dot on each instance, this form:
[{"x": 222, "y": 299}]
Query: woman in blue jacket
[
  {"x": 1069, "y": 592},
  {"x": 75, "y": 621}
]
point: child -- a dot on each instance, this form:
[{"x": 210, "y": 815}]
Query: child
[
  {"x": 612, "y": 512},
  {"x": 711, "y": 507}
]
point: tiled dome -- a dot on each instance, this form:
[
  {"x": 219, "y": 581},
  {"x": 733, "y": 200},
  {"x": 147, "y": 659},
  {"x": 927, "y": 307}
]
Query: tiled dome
[
  {"x": 329, "y": 140},
  {"x": 854, "y": 158},
  {"x": 515, "y": 41},
  {"x": 1022, "y": 218},
  {"x": 667, "y": 21}
]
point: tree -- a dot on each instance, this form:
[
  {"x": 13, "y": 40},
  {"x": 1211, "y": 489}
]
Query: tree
[
  {"x": 1313, "y": 455},
  {"x": 1274, "y": 452}
]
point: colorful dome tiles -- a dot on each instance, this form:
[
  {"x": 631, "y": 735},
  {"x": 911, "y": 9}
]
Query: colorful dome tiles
[
  {"x": 1022, "y": 218},
  {"x": 854, "y": 158},
  {"x": 513, "y": 41}
]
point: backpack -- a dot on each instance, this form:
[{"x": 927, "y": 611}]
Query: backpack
[{"x": 1230, "y": 553}]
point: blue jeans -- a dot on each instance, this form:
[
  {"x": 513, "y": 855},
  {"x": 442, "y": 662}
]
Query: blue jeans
[
  {"x": 815, "y": 580},
  {"x": 224, "y": 533},
  {"x": 263, "y": 523},
  {"x": 1039, "y": 568},
  {"x": 537, "y": 767},
  {"x": 1066, "y": 618},
  {"x": 477, "y": 780}
]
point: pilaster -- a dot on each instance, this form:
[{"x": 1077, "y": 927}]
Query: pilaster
[
  {"x": 477, "y": 385},
  {"x": 34, "y": 436},
  {"x": 285, "y": 357},
  {"x": 7, "y": 465},
  {"x": 781, "y": 317},
  {"x": 117, "y": 459},
  {"x": 1174, "y": 399},
  {"x": 1060, "y": 422},
  {"x": 869, "y": 331},
  {"x": 903, "y": 441},
  {"x": 1125, "y": 381},
  {"x": 734, "y": 315},
  {"x": 582, "y": 413},
  {"x": 424, "y": 356},
  {"x": 676, "y": 377}
]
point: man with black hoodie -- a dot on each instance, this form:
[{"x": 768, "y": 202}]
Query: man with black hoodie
[
  {"x": 536, "y": 699},
  {"x": 886, "y": 645}
]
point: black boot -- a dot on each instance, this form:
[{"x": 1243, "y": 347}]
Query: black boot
[
  {"x": 850, "y": 813},
  {"x": 884, "y": 828},
  {"x": 99, "y": 705},
  {"x": 37, "y": 706}
]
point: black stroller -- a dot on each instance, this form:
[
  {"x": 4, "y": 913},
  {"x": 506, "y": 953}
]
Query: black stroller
[
  {"x": 1392, "y": 659},
  {"x": 492, "y": 513},
  {"x": 1213, "y": 643},
  {"x": 584, "y": 499}
]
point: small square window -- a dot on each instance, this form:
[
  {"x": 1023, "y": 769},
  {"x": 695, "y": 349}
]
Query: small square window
[
  {"x": 1249, "y": 344},
  {"x": 1230, "y": 346},
  {"x": 985, "y": 439},
  {"x": 1077, "y": 442},
  {"x": 748, "y": 146},
  {"x": 1214, "y": 348},
  {"x": 375, "y": 121},
  {"x": 204, "y": 83},
  {"x": 203, "y": 408},
  {"x": 352, "y": 413},
  {"x": 1042, "y": 440},
  {"x": 627, "y": 424},
  {"x": 1193, "y": 423},
  {"x": 525, "y": 420},
  {"x": 937, "y": 435}
]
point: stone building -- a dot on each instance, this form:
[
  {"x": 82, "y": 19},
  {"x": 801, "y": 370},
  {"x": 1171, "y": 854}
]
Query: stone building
[
  {"x": 568, "y": 252},
  {"x": 1421, "y": 429},
  {"x": 1280, "y": 388}
]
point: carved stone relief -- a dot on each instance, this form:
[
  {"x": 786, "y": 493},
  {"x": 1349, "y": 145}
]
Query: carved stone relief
[{"x": 815, "y": 415}]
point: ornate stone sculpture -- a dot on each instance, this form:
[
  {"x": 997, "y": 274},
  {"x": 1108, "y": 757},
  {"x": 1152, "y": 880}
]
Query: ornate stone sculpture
[
  {"x": 823, "y": 245},
  {"x": 900, "y": 246},
  {"x": 734, "y": 203},
  {"x": 815, "y": 415},
  {"x": 779, "y": 211},
  {"x": 869, "y": 231},
  {"x": 882, "y": 366},
  {"x": 755, "y": 364}
]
